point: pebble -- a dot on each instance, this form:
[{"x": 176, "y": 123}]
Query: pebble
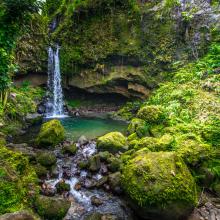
[{"x": 209, "y": 211}]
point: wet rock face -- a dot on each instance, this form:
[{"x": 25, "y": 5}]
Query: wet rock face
[{"x": 96, "y": 201}]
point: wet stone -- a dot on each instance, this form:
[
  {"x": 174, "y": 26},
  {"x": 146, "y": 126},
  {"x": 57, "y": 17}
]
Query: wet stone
[
  {"x": 78, "y": 186},
  {"x": 96, "y": 201},
  {"x": 61, "y": 187},
  {"x": 104, "y": 169},
  {"x": 102, "y": 181},
  {"x": 89, "y": 184},
  {"x": 82, "y": 140},
  {"x": 94, "y": 163},
  {"x": 67, "y": 174}
]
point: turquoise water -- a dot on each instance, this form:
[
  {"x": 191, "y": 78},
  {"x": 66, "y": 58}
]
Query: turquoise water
[
  {"x": 91, "y": 127},
  {"x": 76, "y": 127}
]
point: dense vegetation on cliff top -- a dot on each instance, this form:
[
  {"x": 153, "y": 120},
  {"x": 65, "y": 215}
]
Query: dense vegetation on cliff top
[{"x": 181, "y": 117}]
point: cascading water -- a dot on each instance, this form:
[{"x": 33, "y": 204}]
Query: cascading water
[{"x": 55, "y": 103}]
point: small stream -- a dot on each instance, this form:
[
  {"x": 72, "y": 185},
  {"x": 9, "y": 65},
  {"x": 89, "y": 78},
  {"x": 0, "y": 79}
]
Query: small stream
[{"x": 67, "y": 169}]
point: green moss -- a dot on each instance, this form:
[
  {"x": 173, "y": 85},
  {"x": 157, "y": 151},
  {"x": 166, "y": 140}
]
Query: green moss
[
  {"x": 62, "y": 187},
  {"x": 17, "y": 181},
  {"x": 104, "y": 155},
  {"x": 70, "y": 149},
  {"x": 164, "y": 143},
  {"x": 216, "y": 188},
  {"x": 20, "y": 102},
  {"x": 157, "y": 130},
  {"x": 94, "y": 163},
  {"x": 160, "y": 182},
  {"x": 83, "y": 164},
  {"x": 128, "y": 111},
  {"x": 132, "y": 137},
  {"x": 139, "y": 126},
  {"x": 112, "y": 142},
  {"x": 52, "y": 207},
  {"x": 209, "y": 170},
  {"x": 192, "y": 150},
  {"x": 41, "y": 171},
  {"x": 151, "y": 113},
  {"x": 114, "y": 164},
  {"x": 46, "y": 159},
  {"x": 51, "y": 134}
]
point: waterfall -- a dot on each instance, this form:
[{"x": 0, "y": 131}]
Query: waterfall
[{"x": 55, "y": 102}]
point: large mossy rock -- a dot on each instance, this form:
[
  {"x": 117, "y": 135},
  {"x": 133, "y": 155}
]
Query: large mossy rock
[
  {"x": 46, "y": 159},
  {"x": 159, "y": 185},
  {"x": 112, "y": 142},
  {"x": 18, "y": 181},
  {"x": 163, "y": 143},
  {"x": 52, "y": 208},
  {"x": 51, "y": 134},
  {"x": 139, "y": 127},
  {"x": 192, "y": 150},
  {"x": 151, "y": 113}
]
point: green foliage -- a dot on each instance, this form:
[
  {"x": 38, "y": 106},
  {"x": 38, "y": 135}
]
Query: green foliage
[
  {"x": 13, "y": 16},
  {"x": 128, "y": 111},
  {"x": 21, "y": 102},
  {"x": 74, "y": 103},
  {"x": 184, "y": 115}
]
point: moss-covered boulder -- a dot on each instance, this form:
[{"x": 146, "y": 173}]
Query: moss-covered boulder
[
  {"x": 41, "y": 171},
  {"x": 112, "y": 142},
  {"x": 159, "y": 185},
  {"x": 51, "y": 134},
  {"x": 104, "y": 155},
  {"x": 70, "y": 149},
  {"x": 192, "y": 150},
  {"x": 114, "y": 164},
  {"x": 18, "y": 181},
  {"x": 139, "y": 127},
  {"x": 52, "y": 207},
  {"x": 163, "y": 143},
  {"x": 94, "y": 163},
  {"x": 46, "y": 159},
  {"x": 62, "y": 186},
  {"x": 151, "y": 113}
]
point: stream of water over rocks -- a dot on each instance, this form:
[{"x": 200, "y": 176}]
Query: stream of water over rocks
[{"x": 89, "y": 191}]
